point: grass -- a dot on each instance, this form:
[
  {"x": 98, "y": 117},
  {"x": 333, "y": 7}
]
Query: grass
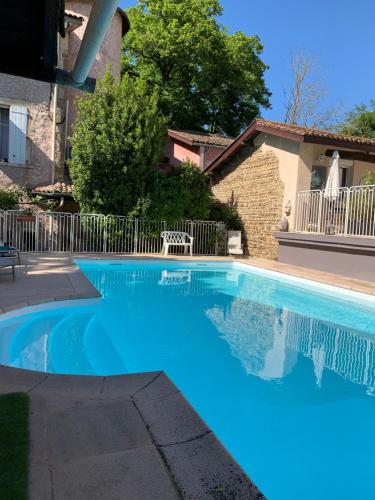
[{"x": 14, "y": 446}]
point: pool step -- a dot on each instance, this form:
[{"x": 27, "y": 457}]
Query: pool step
[
  {"x": 66, "y": 345},
  {"x": 28, "y": 344},
  {"x": 100, "y": 350}
]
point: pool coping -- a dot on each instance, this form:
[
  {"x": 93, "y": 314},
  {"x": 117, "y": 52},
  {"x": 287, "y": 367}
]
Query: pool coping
[{"x": 155, "y": 446}]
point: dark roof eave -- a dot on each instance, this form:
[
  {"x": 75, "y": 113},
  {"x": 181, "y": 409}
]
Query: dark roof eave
[
  {"x": 52, "y": 195},
  {"x": 125, "y": 21},
  {"x": 339, "y": 143},
  {"x": 256, "y": 128}
]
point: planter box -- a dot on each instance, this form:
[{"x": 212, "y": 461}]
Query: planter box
[{"x": 25, "y": 218}]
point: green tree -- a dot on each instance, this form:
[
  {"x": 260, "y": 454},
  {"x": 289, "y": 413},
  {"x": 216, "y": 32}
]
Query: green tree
[
  {"x": 206, "y": 78},
  {"x": 116, "y": 144},
  {"x": 184, "y": 193},
  {"x": 360, "y": 121}
]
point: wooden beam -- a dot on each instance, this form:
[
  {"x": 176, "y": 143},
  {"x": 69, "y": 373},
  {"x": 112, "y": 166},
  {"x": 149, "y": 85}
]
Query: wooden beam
[{"x": 352, "y": 155}]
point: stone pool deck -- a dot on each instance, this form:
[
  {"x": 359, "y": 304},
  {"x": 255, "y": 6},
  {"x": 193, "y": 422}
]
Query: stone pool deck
[
  {"x": 131, "y": 437},
  {"x": 134, "y": 436}
]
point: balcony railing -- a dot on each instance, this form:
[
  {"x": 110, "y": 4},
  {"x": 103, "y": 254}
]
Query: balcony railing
[{"x": 343, "y": 212}]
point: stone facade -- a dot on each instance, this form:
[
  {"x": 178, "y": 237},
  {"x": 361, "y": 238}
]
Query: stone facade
[
  {"x": 46, "y": 146},
  {"x": 251, "y": 181}
]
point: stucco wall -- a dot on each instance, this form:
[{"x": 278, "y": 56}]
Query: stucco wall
[
  {"x": 252, "y": 181},
  {"x": 109, "y": 54},
  {"x": 361, "y": 168},
  {"x": 36, "y": 97},
  {"x": 210, "y": 154},
  {"x": 287, "y": 152},
  {"x": 179, "y": 151}
]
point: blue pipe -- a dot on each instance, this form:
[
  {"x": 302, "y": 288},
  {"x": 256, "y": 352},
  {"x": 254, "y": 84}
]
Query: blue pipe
[{"x": 99, "y": 21}]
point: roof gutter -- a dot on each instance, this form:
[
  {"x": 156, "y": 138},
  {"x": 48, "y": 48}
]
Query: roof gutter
[{"x": 99, "y": 21}]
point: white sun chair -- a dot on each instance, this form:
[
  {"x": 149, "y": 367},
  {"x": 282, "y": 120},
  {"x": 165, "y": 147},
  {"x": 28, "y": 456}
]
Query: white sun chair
[
  {"x": 235, "y": 246},
  {"x": 177, "y": 238}
]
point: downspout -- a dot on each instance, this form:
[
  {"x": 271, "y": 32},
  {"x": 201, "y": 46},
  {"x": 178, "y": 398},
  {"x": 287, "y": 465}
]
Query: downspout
[
  {"x": 99, "y": 21},
  {"x": 53, "y": 148}
]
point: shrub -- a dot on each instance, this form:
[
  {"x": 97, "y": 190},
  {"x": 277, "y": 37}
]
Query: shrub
[{"x": 8, "y": 200}]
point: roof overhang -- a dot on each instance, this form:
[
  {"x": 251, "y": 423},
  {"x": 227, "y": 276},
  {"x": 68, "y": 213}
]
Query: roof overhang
[
  {"x": 182, "y": 138},
  {"x": 257, "y": 127}
]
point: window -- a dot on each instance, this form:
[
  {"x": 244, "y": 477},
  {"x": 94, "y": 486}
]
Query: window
[
  {"x": 318, "y": 177},
  {"x": 13, "y": 134},
  {"x": 4, "y": 134}
]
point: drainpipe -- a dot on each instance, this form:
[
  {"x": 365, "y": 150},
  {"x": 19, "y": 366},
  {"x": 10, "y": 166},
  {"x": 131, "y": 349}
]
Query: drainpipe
[
  {"x": 53, "y": 148},
  {"x": 99, "y": 21}
]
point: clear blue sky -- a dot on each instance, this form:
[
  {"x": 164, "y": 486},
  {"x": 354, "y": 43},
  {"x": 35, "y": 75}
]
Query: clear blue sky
[{"x": 338, "y": 34}]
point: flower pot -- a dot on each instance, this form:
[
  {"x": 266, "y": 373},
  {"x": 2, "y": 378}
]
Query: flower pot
[{"x": 26, "y": 218}]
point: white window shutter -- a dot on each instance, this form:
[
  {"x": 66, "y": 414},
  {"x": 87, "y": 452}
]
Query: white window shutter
[{"x": 17, "y": 134}]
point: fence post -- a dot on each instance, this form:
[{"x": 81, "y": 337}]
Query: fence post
[
  {"x": 105, "y": 234},
  {"x": 347, "y": 210},
  {"x": 36, "y": 231},
  {"x": 320, "y": 212},
  {"x": 135, "y": 236},
  {"x": 71, "y": 243}
]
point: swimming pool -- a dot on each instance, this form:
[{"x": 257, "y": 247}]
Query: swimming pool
[{"x": 282, "y": 369}]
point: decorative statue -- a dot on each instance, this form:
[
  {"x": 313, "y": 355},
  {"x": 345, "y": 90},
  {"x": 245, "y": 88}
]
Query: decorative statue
[{"x": 284, "y": 225}]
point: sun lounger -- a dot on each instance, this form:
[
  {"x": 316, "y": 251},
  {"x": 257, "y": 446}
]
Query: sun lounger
[{"x": 7, "y": 262}]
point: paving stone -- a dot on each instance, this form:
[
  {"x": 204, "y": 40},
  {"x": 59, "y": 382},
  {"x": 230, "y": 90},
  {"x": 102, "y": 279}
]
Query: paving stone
[
  {"x": 92, "y": 430},
  {"x": 161, "y": 387},
  {"x": 124, "y": 386},
  {"x": 171, "y": 419},
  {"x": 71, "y": 386},
  {"x": 15, "y": 380},
  {"x": 203, "y": 469},
  {"x": 40, "y": 484},
  {"x": 137, "y": 474}
]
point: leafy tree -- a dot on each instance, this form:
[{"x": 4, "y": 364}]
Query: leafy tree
[
  {"x": 206, "y": 78},
  {"x": 360, "y": 121},
  {"x": 184, "y": 193},
  {"x": 116, "y": 144}
]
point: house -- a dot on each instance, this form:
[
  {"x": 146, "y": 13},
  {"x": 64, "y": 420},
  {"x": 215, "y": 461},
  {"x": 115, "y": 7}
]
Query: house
[
  {"x": 200, "y": 148},
  {"x": 36, "y": 118},
  {"x": 275, "y": 170}
]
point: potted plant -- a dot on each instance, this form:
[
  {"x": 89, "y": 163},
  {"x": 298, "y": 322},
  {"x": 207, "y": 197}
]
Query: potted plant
[{"x": 26, "y": 215}]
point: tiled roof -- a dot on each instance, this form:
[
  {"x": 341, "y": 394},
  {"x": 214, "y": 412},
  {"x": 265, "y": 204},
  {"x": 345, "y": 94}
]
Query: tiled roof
[
  {"x": 72, "y": 16},
  {"x": 294, "y": 133},
  {"x": 201, "y": 138},
  {"x": 57, "y": 188},
  {"x": 314, "y": 132}
]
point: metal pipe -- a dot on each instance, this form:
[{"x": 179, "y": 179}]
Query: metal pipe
[
  {"x": 99, "y": 21},
  {"x": 53, "y": 145}
]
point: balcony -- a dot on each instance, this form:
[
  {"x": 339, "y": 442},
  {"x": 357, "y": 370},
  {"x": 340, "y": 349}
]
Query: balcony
[{"x": 347, "y": 212}]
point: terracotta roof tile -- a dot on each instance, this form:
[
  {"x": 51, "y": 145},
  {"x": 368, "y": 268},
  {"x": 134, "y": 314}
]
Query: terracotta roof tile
[
  {"x": 294, "y": 133},
  {"x": 201, "y": 138},
  {"x": 314, "y": 132},
  {"x": 57, "y": 188}
]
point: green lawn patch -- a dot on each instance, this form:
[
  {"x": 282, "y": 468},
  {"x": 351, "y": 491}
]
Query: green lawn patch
[{"x": 14, "y": 446}]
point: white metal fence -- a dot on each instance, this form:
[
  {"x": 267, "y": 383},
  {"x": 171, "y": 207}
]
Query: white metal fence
[
  {"x": 92, "y": 233},
  {"x": 350, "y": 213}
]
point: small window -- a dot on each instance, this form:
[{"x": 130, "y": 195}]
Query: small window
[
  {"x": 318, "y": 177},
  {"x": 4, "y": 134}
]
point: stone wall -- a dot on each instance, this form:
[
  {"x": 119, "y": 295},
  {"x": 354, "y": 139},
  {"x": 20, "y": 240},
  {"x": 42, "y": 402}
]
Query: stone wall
[
  {"x": 36, "y": 97},
  {"x": 251, "y": 180}
]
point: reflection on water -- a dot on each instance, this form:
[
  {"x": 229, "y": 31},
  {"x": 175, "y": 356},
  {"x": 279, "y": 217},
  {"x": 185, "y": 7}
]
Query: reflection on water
[{"x": 279, "y": 335}]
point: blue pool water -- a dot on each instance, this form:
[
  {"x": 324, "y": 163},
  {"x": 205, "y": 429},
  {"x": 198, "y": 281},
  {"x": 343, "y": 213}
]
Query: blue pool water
[{"x": 285, "y": 376}]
